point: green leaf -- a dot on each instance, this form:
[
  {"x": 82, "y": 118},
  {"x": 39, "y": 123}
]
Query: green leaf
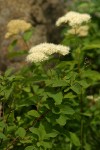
[
  {"x": 61, "y": 120},
  {"x": 87, "y": 146},
  {"x": 66, "y": 110},
  {"x": 76, "y": 87},
  {"x": 53, "y": 134},
  {"x": 44, "y": 144},
  {"x": 56, "y": 83},
  {"x": 11, "y": 129},
  {"x": 1, "y": 77},
  {"x": 35, "y": 88},
  {"x": 58, "y": 97},
  {"x": 29, "y": 148},
  {"x": 92, "y": 46},
  {"x": 87, "y": 114},
  {"x": 67, "y": 89},
  {"x": 8, "y": 72},
  {"x": 27, "y": 35},
  {"x": 27, "y": 89},
  {"x": 20, "y": 132},
  {"x": 33, "y": 113},
  {"x": 83, "y": 83},
  {"x": 74, "y": 138},
  {"x": 69, "y": 95},
  {"x": 40, "y": 132},
  {"x": 17, "y": 53},
  {"x": 8, "y": 91},
  {"x": 94, "y": 75},
  {"x": 2, "y": 136},
  {"x": 59, "y": 83},
  {"x": 2, "y": 124},
  {"x": 12, "y": 45},
  {"x": 55, "y": 110},
  {"x": 34, "y": 131}
]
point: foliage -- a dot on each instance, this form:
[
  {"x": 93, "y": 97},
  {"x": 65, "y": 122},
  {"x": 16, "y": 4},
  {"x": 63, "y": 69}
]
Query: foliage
[{"x": 46, "y": 105}]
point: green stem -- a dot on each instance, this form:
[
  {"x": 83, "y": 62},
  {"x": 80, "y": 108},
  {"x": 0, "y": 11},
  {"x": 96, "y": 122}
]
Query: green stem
[
  {"x": 33, "y": 124},
  {"x": 12, "y": 143},
  {"x": 81, "y": 111},
  {"x": 40, "y": 118},
  {"x": 81, "y": 105},
  {"x": 24, "y": 42},
  {"x": 81, "y": 133}
]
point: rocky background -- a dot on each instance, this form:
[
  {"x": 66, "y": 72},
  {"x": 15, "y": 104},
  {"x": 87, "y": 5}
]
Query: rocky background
[{"x": 42, "y": 14}]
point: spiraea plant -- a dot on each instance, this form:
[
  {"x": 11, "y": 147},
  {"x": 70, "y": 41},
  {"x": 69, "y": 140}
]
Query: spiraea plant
[{"x": 53, "y": 102}]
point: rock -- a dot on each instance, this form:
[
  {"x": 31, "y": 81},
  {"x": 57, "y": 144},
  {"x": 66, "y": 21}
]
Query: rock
[{"x": 41, "y": 13}]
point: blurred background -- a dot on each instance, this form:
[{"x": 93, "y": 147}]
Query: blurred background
[{"x": 42, "y": 14}]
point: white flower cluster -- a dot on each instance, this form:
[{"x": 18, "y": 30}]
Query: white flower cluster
[
  {"x": 92, "y": 98},
  {"x": 36, "y": 57},
  {"x": 16, "y": 27},
  {"x": 81, "y": 31},
  {"x": 73, "y": 19},
  {"x": 42, "y": 51}
]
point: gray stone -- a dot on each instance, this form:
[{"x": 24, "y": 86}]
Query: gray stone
[{"x": 41, "y": 13}]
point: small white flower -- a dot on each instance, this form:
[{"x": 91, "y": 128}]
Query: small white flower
[
  {"x": 47, "y": 48},
  {"x": 50, "y": 48},
  {"x": 61, "y": 20},
  {"x": 17, "y": 26},
  {"x": 36, "y": 57},
  {"x": 80, "y": 31},
  {"x": 73, "y": 19},
  {"x": 92, "y": 98},
  {"x": 63, "y": 50},
  {"x": 42, "y": 51}
]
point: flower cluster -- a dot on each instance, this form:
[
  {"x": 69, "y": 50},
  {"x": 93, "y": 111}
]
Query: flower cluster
[
  {"x": 16, "y": 27},
  {"x": 92, "y": 98},
  {"x": 36, "y": 57},
  {"x": 73, "y": 19},
  {"x": 42, "y": 51},
  {"x": 81, "y": 31}
]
